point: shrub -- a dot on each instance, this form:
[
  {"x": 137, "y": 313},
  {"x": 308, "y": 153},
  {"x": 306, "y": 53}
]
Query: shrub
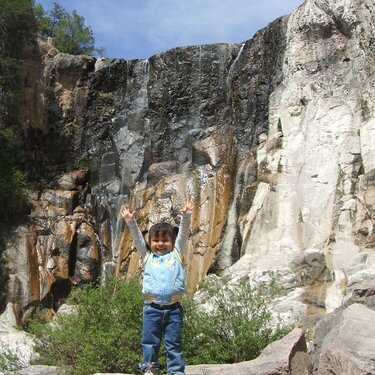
[
  {"x": 8, "y": 360},
  {"x": 102, "y": 336},
  {"x": 236, "y": 325}
]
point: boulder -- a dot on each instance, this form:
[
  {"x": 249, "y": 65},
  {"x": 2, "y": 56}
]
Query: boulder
[
  {"x": 17, "y": 342},
  {"x": 71, "y": 180},
  {"x": 309, "y": 266},
  {"x": 350, "y": 346},
  {"x": 283, "y": 357},
  {"x": 363, "y": 300},
  {"x": 158, "y": 170},
  {"x": 65, "y": 199},
  {"x": 38, "y": 370}
]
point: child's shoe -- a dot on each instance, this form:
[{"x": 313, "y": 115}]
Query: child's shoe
[{"x": 151, "y": 369}]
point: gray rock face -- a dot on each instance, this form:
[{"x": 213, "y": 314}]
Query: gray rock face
[
  {"x": 348, "y": 347},
  {"x": 310, "y": 266},
  {"x": 350, "y": 319}
]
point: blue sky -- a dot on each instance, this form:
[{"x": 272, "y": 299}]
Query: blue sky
[{"x": 141, "y": 28}]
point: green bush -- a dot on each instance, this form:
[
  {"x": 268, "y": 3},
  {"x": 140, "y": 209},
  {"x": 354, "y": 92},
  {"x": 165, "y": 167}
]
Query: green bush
[
  {"x": 236, "y": 326},
  {"x": 8, "y": 360},
  {"x": 104, "y": 335}
]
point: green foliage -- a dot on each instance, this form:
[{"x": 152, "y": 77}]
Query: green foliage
[
  {"x": 8, "y": 360},
  {"x": 69, "y": 33},
  {"x": 43, "y": 22},
  {"x": 73, "y": 37},
  {"x": 237, "y": 326},
  {"x": 9, "y": 86},
  {"x": 12, "y": 179},
  {"x": 103, "y": 336},
  {"x": 17, "y": 25}
]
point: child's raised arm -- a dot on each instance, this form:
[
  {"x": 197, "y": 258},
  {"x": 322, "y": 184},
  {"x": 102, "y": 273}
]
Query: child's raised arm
[{"x": 128, "y": 216}]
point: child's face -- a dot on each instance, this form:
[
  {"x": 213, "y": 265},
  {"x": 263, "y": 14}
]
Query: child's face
[{"x": 161, "y": 243}]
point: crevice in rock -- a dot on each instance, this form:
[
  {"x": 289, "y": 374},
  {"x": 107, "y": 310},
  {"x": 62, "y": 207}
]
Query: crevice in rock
[{"x": 72, "y": 261}]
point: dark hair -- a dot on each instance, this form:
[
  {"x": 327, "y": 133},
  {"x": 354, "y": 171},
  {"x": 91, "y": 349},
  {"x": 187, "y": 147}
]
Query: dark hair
[{"x": 162, "y": 229}]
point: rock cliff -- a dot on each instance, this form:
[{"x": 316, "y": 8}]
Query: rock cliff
[
  {"x": 273, "y": 137},
  {"x": 187, "y": 121}
]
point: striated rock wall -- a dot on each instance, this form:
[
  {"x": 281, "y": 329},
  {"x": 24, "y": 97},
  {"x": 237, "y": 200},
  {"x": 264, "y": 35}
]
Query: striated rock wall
[
  {"x": 318, "y": 194},
  {"x": 148, "y": 132},
  {"x": 272, "y": 137}
]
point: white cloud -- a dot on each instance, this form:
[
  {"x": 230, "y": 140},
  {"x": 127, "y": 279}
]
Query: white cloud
[{"x": 138, "y": 29}]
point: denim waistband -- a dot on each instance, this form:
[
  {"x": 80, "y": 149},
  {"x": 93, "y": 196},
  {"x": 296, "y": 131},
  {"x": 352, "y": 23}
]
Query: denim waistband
[{"x": 163, "y": 307}]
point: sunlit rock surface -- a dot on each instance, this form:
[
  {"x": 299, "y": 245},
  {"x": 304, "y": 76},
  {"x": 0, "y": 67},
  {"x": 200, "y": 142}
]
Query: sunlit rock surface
[
  {"x": 14, "y": 341},
  {"x": 344, "y": 338}
]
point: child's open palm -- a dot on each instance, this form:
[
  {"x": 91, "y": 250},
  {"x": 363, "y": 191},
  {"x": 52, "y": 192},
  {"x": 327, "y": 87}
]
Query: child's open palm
[
  {"x": 188, "y": 205},
  {"x": 126, "y": 213}
]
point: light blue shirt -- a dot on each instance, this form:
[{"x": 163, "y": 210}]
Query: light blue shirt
[{"x": 164, "y": 275}]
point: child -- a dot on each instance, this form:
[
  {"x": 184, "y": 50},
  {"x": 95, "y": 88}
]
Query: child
[{"x": 163, "y": 287}]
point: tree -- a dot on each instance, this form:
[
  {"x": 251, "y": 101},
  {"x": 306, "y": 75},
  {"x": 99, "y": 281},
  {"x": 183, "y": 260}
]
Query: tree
[
  {"x": 72, "y": 36},
  {"x": 69, "y": 32},
  {"x": 12, "y": 178},
  {"x": 48, "y": 21},
  {"x": 56, "y": 14},
  {"x": 17, "y": 24},
  {"x": 17, "y": 27}
]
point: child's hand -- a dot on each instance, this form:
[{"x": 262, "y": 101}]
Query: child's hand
[
  {"x": 188, "y": 205},
  {"x": 125, "y": 212}
]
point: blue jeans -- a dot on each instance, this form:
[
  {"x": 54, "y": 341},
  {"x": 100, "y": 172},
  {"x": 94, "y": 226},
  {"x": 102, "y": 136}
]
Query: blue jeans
[{"x": 158, "y": 322}]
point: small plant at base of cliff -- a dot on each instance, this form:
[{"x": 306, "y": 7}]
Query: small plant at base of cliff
[
  {"x": 102, "y": 336},
  {"x": 105, "y": 332},
  {"x": 236, "y": 325},
  {"x": 8, "y": 360}
]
